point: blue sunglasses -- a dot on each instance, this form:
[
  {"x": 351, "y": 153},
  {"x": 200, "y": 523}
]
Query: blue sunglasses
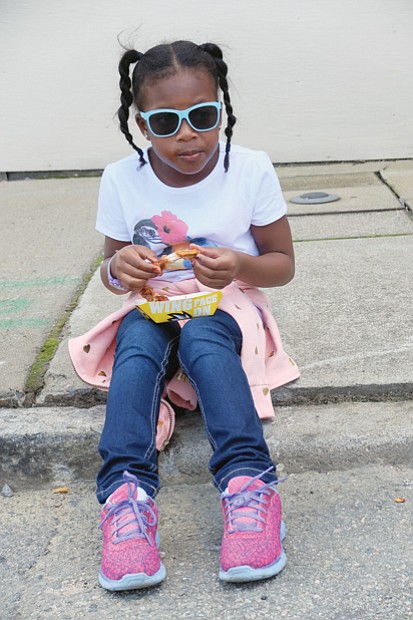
[{"x": 166, "y": 122}]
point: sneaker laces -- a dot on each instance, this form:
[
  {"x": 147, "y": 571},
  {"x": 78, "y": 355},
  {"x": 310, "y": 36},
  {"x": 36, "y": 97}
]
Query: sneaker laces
[
  {"x": 245, "y": 509},
  {"x": 130, "y": 511}
]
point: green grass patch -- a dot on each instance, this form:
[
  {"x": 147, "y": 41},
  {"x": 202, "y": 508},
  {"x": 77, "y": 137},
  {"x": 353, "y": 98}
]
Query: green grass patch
[{"x": 37, "y": 371}]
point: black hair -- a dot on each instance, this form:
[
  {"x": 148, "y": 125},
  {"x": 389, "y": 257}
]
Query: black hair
[{"x": 164, "y": 60}]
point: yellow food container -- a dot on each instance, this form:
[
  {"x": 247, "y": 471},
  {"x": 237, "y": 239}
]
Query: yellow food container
[{"x": 180, "y": 307}]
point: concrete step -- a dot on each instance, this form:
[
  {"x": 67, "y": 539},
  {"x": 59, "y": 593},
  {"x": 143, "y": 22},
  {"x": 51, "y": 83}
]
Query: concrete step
[{"x": 60, "y": 443}]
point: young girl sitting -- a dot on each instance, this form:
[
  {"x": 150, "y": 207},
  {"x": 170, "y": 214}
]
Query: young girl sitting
[{"x": 188, "y": 190}]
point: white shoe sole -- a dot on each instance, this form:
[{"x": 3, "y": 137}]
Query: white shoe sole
[
  {"x": 132, "y": 582},
  {"x": 241, "y": 574}
]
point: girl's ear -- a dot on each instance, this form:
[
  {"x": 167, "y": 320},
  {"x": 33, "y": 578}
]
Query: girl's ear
[{"x": 142, "y": 126}]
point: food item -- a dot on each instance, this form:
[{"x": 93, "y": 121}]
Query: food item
[
  {"x": 187, "y": 253},
  {"x": 149, "y": 294},
  {"x": 168, "y": 262},
  {"x": 175, "y": 260}
]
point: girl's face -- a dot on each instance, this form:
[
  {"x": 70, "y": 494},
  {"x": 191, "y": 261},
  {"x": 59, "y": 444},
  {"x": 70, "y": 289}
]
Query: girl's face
[{"x": 188, "y": 156}]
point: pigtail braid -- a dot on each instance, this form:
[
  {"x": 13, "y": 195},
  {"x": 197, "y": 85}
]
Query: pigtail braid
[
  {"x": 126, "y": 98},
  {"x": 222, "y": 71}
]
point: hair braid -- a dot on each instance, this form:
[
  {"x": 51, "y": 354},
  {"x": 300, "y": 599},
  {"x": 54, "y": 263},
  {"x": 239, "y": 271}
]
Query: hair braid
[
  {"x": 126, "y": 98},
  {"x": 222, "y": 70}
]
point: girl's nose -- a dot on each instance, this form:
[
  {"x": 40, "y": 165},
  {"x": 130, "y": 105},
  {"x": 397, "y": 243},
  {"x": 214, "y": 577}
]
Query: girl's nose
[{"x": 185, "y": 131}]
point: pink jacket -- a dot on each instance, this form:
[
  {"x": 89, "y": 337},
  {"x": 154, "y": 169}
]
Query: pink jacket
[{"x": 264, "y": 360}]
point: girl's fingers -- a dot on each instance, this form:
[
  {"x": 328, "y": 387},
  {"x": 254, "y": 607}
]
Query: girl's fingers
[
  {"x": 212, "y": 277},
  {"x": 137, "y": 262}
]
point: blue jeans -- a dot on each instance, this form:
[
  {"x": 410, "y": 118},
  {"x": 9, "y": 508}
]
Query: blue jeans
[{"x": 208, "y": 351}]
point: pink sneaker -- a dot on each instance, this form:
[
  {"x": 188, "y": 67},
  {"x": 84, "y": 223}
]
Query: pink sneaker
[
  {"x": 130, "y": 558},
  {"x": 253, "y": 531}
]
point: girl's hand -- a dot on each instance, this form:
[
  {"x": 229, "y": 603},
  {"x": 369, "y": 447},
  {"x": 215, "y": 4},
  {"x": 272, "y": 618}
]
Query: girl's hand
[
  {"x": 215, "y": 267},
  {"x": 133, "y": 266},
  {"x": 274, "y": 265}
]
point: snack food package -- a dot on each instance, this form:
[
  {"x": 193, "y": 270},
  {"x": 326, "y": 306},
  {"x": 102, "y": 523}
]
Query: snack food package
[{"x": 180, "y": 307}]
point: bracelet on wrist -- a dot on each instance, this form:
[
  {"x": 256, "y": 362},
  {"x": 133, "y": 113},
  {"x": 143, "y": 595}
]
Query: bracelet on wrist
[{"x": 114, "y": 281}]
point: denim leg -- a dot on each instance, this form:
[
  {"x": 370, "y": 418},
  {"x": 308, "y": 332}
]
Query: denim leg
[
  {"x": 209, "y": 354},
  {"x": 143, "y": 354}
]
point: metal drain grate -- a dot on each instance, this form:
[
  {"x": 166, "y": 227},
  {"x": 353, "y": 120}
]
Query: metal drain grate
[{"x": 314, "y": 198}]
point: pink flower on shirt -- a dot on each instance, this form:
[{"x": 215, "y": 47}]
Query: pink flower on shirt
[{"x": 171, "y": 230}]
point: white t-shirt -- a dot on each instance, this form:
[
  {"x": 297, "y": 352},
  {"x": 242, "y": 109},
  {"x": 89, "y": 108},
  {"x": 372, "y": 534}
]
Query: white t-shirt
[{"x": 136, "y": 206}]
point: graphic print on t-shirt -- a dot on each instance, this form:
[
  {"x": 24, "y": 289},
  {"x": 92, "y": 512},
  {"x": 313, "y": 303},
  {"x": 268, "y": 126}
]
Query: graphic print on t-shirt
[{"x": 164, "y": 234}]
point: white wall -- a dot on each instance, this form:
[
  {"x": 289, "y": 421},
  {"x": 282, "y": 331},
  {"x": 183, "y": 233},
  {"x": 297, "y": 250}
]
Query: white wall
[{"x": 318, "y": 80}]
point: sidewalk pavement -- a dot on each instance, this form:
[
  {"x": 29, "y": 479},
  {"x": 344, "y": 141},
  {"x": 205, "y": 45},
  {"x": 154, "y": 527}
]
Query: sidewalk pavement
[
  {"x": 343, "y": 432},
  {"x": 346, "y": 318}
]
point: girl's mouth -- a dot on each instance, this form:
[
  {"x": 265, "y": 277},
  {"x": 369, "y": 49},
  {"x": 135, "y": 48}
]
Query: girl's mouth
[{"x": 190, "y": 155}]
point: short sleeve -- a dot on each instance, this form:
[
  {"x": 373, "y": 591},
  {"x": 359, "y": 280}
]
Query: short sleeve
[
  {"x": 269, "y": 201},
  {"x": 110, "y": 217}
]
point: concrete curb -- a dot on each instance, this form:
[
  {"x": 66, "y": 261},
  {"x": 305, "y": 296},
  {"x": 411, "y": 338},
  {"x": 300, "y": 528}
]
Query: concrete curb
[
  {"x": 288, "y": 395},
  {"x": 58, "y": 444}
]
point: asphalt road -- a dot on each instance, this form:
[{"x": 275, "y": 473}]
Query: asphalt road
[{"x": 349, "y": 547}]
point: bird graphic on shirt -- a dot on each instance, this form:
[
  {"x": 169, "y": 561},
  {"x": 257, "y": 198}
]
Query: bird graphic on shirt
[{"x": 146, "y": 233}]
